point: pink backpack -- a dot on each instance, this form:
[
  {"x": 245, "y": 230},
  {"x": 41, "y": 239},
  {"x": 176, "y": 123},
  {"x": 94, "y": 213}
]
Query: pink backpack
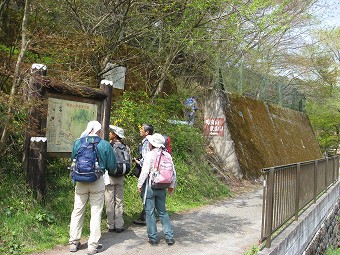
[{"x": 163, "y": 171}]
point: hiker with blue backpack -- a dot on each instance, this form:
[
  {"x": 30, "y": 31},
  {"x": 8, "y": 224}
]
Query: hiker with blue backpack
[
  {"x": 158, "y": 176},
  {"x": 190, "y": 109},
  {"x": 91, "y": 157},
  {"x": 114, "y": 190}
]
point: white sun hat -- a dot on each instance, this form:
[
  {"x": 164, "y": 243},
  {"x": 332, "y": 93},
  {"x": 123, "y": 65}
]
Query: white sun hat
[{"x": 157, "y": 140}]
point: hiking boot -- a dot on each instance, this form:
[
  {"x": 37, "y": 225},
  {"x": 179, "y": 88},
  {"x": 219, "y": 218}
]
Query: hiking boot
[
  {"x": 74, "y": 246},
  {"x": 140, "y": 222},
  {"x": 152, "y": 242},
  {"x": 119, "y": 230},
  {"x": 170, "y": 241},
  {"x": 94, "y": 251}
]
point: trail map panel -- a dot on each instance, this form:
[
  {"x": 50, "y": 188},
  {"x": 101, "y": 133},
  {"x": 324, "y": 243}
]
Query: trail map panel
[{"x": 66, "y": 120}]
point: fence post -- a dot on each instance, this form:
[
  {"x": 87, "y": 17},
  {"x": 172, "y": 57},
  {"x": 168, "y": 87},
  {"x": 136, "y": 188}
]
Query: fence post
[
  {"x": 333, "y": 172},
  {"x": 297, "y": 191},
  {"x": 240, "y": 80},
  {"x": 337, "y": 167},
  {"x": 279, "y": 94},
  {"x": 264, "y": 205},
  {"x": 326, "y": 171},
  {"x": 315, "y": 180},
  {"x": 269, "y": 209}
]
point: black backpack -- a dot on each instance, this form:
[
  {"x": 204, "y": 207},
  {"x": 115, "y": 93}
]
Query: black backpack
[
  {"x": 123, "y": 159},
  {"x": 86, "y": 168}
]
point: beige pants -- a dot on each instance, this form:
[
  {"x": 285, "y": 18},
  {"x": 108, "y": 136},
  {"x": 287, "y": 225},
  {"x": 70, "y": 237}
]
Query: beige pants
[
  {"x": 114, "y": 193},
  {"x": 83, "y": 192}
]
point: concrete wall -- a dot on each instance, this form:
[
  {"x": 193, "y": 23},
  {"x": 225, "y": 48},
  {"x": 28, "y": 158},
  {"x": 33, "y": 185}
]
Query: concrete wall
[
  {"x": 295, "y": 239},
  {"x": 256, "y": 135},
  {"x": 223, "y": 145}
]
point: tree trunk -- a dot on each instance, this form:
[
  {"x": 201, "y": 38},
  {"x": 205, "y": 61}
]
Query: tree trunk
[
  {"x": 164, "y": 74},
  {"x": 17, "y": 78}
]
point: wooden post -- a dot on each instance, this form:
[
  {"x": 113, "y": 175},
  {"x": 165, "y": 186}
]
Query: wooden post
[
  {"x": 33, "y": 128},
  {"x": 37, "y": 166},
  {"x": 106, "y": 86}
]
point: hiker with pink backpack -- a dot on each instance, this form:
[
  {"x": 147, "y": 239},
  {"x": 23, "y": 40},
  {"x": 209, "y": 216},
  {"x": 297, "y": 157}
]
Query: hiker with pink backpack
[{"x": 159, "y": 175}]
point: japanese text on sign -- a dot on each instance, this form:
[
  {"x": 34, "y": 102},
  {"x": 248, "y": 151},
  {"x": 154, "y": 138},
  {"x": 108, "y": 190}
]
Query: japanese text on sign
[{"x": 214, "y": 126}]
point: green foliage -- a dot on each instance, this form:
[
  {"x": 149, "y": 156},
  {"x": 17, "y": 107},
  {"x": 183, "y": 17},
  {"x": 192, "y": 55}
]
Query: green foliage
[
  {"x": 324, "y": 117},
  {"x": 333, "y": 251},
  {"x": 44, "y": 217},
  {"x": 137, "y": 108},
  {"x": 254, "y": 250}
]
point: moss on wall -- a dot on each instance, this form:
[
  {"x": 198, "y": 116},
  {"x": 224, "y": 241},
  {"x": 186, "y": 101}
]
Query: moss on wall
[{"x": 267, "y": 135}]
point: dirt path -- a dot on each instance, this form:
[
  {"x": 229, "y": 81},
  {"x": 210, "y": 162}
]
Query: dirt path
[{"x": 229, "y": 227}]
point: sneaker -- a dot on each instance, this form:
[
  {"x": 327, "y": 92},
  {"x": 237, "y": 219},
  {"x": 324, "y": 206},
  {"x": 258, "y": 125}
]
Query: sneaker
[
  {"x": 74, "y": 246},
  {"x": 170, "y": 241},
  {"x": 140, "y": 222}
]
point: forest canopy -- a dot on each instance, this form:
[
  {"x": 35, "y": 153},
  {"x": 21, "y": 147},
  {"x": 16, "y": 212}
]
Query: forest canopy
[{"x": 268, "y": 49}]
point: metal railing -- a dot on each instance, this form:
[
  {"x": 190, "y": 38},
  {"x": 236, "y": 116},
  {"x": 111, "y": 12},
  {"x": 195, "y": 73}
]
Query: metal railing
[{"x": 289, "y": 190}]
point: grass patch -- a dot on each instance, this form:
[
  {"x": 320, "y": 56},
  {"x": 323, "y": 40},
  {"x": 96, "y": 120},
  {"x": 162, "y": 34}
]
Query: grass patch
[{"x": 29, "y": 226}]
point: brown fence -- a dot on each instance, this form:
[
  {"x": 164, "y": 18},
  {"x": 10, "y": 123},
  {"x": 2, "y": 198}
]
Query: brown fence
[{"x": 290, "y": 189}]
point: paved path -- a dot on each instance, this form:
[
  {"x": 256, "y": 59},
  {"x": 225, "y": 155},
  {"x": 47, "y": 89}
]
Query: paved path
[{"x": 229, "y": 227}]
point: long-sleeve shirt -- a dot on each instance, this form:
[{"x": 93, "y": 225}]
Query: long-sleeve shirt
[
  {"x": 144, "y": 148},
  {"x": 148, "y": 165},
  {"x": 106, "y": 156}
]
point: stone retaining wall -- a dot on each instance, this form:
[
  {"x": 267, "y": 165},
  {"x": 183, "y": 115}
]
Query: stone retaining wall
[{"x": 327, "y": 236}]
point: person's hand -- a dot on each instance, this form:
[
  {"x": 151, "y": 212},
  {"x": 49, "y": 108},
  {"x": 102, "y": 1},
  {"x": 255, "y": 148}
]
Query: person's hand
[
  {"x": 170, "y": 190},
  {"x": 139, "y": 190}
]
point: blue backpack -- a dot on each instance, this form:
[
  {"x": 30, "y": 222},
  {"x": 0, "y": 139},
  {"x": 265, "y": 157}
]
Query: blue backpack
[
  {"x": 86, "y": 167},
  {"x": 189, "y": 102}
]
